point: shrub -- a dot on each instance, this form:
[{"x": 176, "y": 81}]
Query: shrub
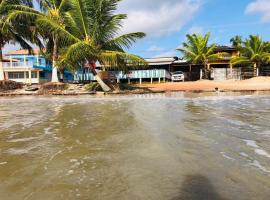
[
  {"x": 53, "y": 87},
  {"x": 93, "y": 87},
  {"x": 10, "y": 85}
]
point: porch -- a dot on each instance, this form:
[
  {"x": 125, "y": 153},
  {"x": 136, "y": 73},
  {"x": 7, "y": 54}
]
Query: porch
[
  {"x": 22, "y": 72},
  {"x": 133, "y": 75}
]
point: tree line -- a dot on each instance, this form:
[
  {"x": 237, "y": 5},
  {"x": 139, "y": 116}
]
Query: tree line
[
  {"x": 252, "y": 51},
  {"x": 73, "y": 33},
  {"x": 70, "y": 33}
]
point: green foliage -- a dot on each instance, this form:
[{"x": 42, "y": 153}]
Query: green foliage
[
  {"x": 197, "y": 50},
  {"x": 95, "y": 27},
  {"x": 253, "y": 50},
  {"x": 236, "y": 41},
  {"x": 53, "y": 87},
  {"x": 14, "y": 32},
  {"x": 92, "y": 86}
]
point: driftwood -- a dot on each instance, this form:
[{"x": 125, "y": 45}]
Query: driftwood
[{"x": 6, "y": 85}]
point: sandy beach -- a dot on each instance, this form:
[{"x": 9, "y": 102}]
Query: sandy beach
[{"x": 254, "y": 84}]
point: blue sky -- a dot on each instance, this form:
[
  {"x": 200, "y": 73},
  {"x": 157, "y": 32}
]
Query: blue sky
[
  {"x": 223, "y": 18},
  {"x": 166, "y": 22}
]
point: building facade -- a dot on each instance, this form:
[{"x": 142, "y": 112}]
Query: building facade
[
  {"x": 22, "y": 67},
  {"x": 27, "y": 68}
]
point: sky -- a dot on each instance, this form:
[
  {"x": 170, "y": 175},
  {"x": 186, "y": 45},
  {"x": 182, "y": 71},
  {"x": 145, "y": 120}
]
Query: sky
[{"x": 166, "y": 22}]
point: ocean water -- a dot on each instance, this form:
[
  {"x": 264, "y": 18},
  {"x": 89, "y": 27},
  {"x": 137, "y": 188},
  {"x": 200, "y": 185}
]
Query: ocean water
[{"x": 161, "y": 147}]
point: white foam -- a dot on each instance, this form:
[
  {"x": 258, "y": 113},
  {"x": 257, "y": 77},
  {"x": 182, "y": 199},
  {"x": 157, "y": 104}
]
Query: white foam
[
  {"x": 262, "y": 153},
  {"x": 251, "y": 143},
  {"x": 244, "y": 154},
  {"x": 47, "y": 131},
  {"x": 22, "y": 139},
  {"x": 70, "y": 172},
  {"x": 265, "y": 133},
  {"x": 258, "y": 165},
  {"x": 227, "y": 157},
  {"x": 257, "y": 149},
  {"x": 3, "y": 163}
]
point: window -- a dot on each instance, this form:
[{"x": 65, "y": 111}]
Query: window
[
  {"x": 16, "y": 75},
  {"x": 42, "y": 74},
  {"x": 33, "y": 74}
]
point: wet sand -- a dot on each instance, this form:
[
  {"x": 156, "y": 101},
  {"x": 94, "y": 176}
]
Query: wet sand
[{"x": 254, "y": 84}]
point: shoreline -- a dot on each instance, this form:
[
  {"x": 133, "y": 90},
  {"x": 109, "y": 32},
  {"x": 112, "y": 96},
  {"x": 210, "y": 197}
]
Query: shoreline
[
  {"x": 244, "y": 92},
  {"x": 258, "y": 84}
]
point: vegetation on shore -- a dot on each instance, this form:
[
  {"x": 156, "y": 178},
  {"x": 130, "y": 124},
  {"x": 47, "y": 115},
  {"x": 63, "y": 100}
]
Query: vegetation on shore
[
  {"x": 197, "y": 50},
  {"x": 253, "y": 51},
  {"x": 75, "y": 33},
  {"x": 81, "y": 33},
  {"x": 6, "y": 85}
]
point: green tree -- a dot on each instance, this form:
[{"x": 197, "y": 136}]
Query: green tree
[
  {"x": 95, "y": 29},
  {"x": 13, "y": 33},
  {"x": 254, "y": 51},
  {"x": 196, "y": 50},
  {"x": 50, "y": 24},
  {"x": 236, "y": 41}
]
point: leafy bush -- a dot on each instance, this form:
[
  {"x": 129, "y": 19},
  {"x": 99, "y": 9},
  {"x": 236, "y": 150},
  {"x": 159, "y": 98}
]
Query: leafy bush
[
  {"x": 93, "y": 87},
  {"x": 53, "y": 87},
  {"x": 10, "y": 85}
]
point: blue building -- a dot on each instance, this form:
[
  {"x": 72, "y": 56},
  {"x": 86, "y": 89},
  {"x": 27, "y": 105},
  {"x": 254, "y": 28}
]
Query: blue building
[{"x": 28, "y": 68}]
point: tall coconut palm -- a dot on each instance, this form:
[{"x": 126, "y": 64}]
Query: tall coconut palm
[
  {"x": 10, "y": 33},
  {"x": 254, "y": 51},
  {"x": 236, "y": 41},
  {"x": 197, "y": 51},
  {"x": 50, "y": 23},
  {"x": 95, "y": 27}
]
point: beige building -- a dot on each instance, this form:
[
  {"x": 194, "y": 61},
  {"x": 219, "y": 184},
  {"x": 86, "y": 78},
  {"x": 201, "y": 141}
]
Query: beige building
[{"x": 21, "y": 67}]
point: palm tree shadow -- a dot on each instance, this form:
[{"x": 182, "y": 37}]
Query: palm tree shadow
[{"x": 197, "y": 187}]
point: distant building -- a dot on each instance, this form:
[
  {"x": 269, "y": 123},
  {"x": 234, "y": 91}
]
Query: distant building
[
  {"x": 22, "y": 67},
  {"x": 28, "y": 68}
]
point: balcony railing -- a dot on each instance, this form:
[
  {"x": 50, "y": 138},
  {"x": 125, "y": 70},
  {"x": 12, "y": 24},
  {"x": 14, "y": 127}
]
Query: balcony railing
[
  {"x": 17, "y": 64},
  {"x": 133, "y": 74}
]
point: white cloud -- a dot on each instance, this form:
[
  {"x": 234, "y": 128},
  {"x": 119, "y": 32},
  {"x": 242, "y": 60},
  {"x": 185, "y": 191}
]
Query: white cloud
[
  {"x": 172, "y": 53},
  {"x": 154, "y": 49},
  {"x": 196, "y": 30},
  {"x": 260, "y": 6},
  {"x": 158, "y": 17}
]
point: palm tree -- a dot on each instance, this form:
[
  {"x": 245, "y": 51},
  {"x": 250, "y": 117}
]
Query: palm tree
[
  {"x": 95, "y": 29},
  {"x": 50, "y": 24},
  {"x": 254, "y": 51},
  {"x": 12, "y": 33},
  {"x": 196, "y": 50},
  {"x": 236, "y": 41}
]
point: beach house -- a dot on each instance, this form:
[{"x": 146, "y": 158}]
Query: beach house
[
  {"x": 20, "y": 66},
  {"x": 29, "y": 67}
]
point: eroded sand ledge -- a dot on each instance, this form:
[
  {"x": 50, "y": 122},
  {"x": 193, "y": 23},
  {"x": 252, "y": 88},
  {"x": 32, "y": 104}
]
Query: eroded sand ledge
[{"x": 252, "y": 85}]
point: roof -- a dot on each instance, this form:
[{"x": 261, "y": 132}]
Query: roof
[
  {"x": 225, "y": 48},
  {"x": 161, "y": 60},
  {"x": 23, "y": 52},
  {"x": 8, "y": 60}
]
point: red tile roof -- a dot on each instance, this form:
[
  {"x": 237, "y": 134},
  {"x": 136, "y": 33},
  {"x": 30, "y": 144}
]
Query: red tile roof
[
  {"x": 8, "y": 60},
  {"x": 23, "y": 52}
]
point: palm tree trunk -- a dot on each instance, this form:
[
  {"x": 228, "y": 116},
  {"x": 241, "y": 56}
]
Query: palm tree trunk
[
  {"x": 2, "y": 77},
  {"x": 55, "y": 57},
  {"x": 102, "y": 84},
  {"x": 255, "y": 69},
  {"x": 258, "y": 69},
  {"x": 61, "y": 75}
]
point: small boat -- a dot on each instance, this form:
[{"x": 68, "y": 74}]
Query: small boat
[{"x": 31, "y": 89}]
